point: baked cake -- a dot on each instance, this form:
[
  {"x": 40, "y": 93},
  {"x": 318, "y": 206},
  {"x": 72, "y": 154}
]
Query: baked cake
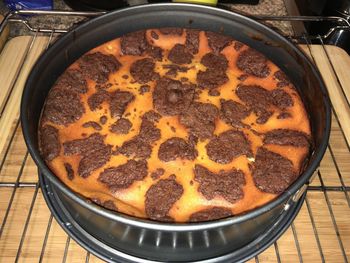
[{"x": 176, "y": 125}]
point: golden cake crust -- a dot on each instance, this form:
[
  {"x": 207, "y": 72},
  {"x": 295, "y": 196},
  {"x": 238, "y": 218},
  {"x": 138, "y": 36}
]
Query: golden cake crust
[{"x": 175, "y": 125}]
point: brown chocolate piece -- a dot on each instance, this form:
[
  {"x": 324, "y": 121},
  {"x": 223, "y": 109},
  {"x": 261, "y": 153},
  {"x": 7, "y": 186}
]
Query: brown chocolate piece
[
  {"x": 243, "y": 77},
  {"x": 63, "y": 107},
  {"x": 253, "y": 63},
  {"x": 192, "y": 40},
  {"x": 134, "y": 43},
  {"x": 211, "y": 78},
  {"x": 142, "y": 70},
  {"x": 227, "y": 146},
  {"x": 121, "y": 126},
  {"x": 227, "y": 184},
  {"x": 50, "y": 146},
  {"x": 237, "y": 45},
  {"x": 95, "y": 153},
  {"x": 148, "y": 131},
  {"x": 72, "y": 79},
  {"x": 174, "y": 148},
  {"x": 93, "y": 125},
  {"x": 282, "y": 99},
  {"x": 272, "y": 173},
  {"x": 214, "y": 93},
  {"x": 218, "y": 42},
  {"x": 143, "y": 89},
  {"x": 103, "y": 120},
  {"x": 171, "y": 97},
  {"x": 282, "y": 79},
  {"x": 213, "y": 61},
  {"x": 233, "y": 113},
  {"x": 284, "y": 115},
  {"x": 109, "y": 204},
  {"x": 119, "y": 100},
  {"x": 154, "y": 35},
  {"x": 258, "y": 99},
  {"x": 160, "y": 197},
  {"x": 123, "y": 176},
  {"x": 96, "y": 99},
  {"x": 174, "y": 69},
  {"x": 136, "y": 148},
  {"x": 210, "y": 214},
  {"x": 69, "y": 170},
  {"x": 171, "y": 31},
  {"x": 157, "y": 173},
  {"x": 287, "y": 137},
  {"x": 180, "y": 55},
  {"x": 155, "y": 52},
  {"x": 98, "y": 66},
  {"x": 200, "y": 119},
  {"x": 151, "y": 116}
]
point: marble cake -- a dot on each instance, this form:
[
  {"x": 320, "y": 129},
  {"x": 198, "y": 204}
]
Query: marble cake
[{"x": 176, "y": 125}]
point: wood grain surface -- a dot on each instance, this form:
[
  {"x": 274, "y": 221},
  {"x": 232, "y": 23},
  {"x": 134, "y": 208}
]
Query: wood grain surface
[{"x": 321, "y": 231}]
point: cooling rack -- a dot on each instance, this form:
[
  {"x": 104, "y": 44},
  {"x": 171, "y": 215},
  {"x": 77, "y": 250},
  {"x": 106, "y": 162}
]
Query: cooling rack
[{"x": 28, "y": 231}]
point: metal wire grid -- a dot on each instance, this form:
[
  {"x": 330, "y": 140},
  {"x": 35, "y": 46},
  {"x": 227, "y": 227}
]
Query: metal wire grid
[{"x": 336, "y": 154}]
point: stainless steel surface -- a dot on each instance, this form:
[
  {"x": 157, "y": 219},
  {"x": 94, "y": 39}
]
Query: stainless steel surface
[{"x": 15, "y": 18}]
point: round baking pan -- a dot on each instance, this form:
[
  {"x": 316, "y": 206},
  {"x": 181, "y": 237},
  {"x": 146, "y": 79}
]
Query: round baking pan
[
  {"x": 195, "y": 241},
  {"x": 89, "y": 242}
]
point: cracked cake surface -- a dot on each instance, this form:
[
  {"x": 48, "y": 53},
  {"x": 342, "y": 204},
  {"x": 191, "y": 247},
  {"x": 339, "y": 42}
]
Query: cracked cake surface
[{"x": 175, "y": 125}]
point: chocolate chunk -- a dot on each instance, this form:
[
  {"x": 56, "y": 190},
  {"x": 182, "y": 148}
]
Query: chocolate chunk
[
  {"x": 171, "y": 31},
  {"x": 157, "y": 173},
  {"x": 96, "y": 99},
  {"x": 149, "y": 132},
  {"x": 143, "y": 70},
  {"x": 237, "y": 45},
  {"x": 281, "y": 99},
  {"x": 63, "y": 107},
  {"x": 200, "y": 119},
  {"x": 134, "y": 43},
  {"x": 243, "y": 77},
  {"x": 93, "y": 125},
  {"x": 98, "y": 66},
  {"x": 125, "y": 76},
  {"x": 192, "y": 40},
  {"x": 282, "y": 79},
  {"x": 154, "y": 35},
  {"x": 227, "y": 184},
  {"x": 258, "y": 99},
  {"x": 218, "y": 42},
  {"x": 109, "y": 204},
  {"x": 210, "y": 214},
  {"x": 136, "y": 148},
  {"x": 69, "y": 170},
  {"x": 174, "y": 69},
  {"x": 284, "y": 115},
  {"x": 95, "y": 153},
  {"x": 103, "y": 120},
  {"x": 121, "y": 126},
  {"x": 50, "y": 146},
  {"x": 253, "y": 63},
  {"x": 227, "y": 146},
  {"x": 143, "y": 89},
  {"x": 171, "y": 97},
  {"x": 211, "y": 78},
  {"x": 233, "y": 112},
  {"x": 123, "y": 176},
  {"x": 180, "y": 55},
  {"x": 151, "y": 116},
  {"x": 272, "y": 173},
  {"x": 72, "y": 79},
  {"x": 174, "y": 148},
  {"x": 214, "y": 93},
  {"x": 155, "y": 52},
  {"x": 287, "y": 137},
  {"x": 166, "y": 190},
  {"x": 213, "y": 61},
  {"x": 119, "y": 100}
]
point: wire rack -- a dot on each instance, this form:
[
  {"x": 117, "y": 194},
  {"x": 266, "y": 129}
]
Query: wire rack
[{"x": 28, "y": 233}]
